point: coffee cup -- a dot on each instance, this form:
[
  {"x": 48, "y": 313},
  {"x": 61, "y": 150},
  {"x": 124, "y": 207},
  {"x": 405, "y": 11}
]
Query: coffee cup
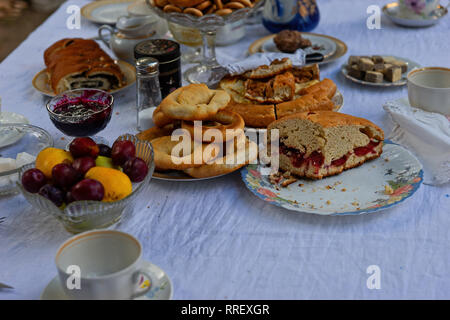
[
  {"x": 417, "y": 9},
  {"x": 429, "y": 89},
  {"x": 101, "y": 264}
]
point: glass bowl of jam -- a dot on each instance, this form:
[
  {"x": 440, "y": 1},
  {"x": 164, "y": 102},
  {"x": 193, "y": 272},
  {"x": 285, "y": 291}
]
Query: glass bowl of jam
[{"x": 81, "y": 112}]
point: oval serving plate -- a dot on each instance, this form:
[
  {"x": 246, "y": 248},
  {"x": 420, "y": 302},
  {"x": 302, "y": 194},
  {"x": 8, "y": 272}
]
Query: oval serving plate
[
  {"x": 403, "y": 81},
  {"x": 41, "y": 83},
  {"x": 356, "y": 191},
  {"x": 105, "y": 11}
]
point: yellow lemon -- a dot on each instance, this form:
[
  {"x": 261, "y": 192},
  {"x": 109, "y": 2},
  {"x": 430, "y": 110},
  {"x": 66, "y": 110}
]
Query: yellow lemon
[
  {"x": 50, "y": 157},
  {"x": 117, "y": 185}
]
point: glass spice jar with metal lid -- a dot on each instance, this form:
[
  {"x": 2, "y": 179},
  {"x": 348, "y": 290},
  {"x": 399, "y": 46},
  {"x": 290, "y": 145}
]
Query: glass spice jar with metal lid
[
  {"x": 167, "y": 52},
  {"x": 148, "y": 92}
]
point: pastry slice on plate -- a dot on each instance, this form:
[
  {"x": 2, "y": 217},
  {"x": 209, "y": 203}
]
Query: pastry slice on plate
[{"x": 323, "y": 143}]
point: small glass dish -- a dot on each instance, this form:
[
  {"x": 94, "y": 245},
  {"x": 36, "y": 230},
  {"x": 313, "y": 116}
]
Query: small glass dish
[
  {"x": 81, "y": 112},
  {"x": 80, "y": 216},
  {"x": 16, "y": 138}
]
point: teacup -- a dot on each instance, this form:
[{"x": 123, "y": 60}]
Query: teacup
[
  {"x": 417, "y": 9},
  {"x": 429, "y": 89},
  {"x": 101, "y": 264}
]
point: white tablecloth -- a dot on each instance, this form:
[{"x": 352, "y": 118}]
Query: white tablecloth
[{"x": 214, "y": 238}]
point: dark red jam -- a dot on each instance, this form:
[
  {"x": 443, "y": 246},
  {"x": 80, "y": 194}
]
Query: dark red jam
[
  {"x": 297, "y": 158},
  {"x": 81, "y": 118},
  {"x": 316, "y": 159},
  {"x": 370, "y": 148},
  {"x": 339, "y": 162}
]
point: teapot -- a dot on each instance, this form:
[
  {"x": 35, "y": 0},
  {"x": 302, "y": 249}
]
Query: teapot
[
  {"x": 300, "y": 15},
  {"x": 130, "y": 31}
]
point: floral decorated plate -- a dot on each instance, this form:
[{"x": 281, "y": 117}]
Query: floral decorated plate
[{"x": 374, "y": 186}]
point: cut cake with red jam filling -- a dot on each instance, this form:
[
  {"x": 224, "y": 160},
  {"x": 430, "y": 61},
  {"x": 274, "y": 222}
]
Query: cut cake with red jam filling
[{"x": 324, "y": 143}]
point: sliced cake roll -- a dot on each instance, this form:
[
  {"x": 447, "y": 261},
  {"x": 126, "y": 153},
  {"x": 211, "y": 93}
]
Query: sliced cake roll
[
  {"x": 323, "y": 143},
  {"x": 75, "y": 63}
]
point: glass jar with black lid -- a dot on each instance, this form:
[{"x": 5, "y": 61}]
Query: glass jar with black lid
[{"x": 167, "y": 52}]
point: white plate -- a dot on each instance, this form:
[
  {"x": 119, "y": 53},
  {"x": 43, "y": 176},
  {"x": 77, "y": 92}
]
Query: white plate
[
  {"x": 325, "y": 46},
  {"x": 41, "y": 83},
  {"x": 403, "y": 81},
  {"x": 355, "y": 191},
  {"x": 11, "y": 136},
  {"x": 105, "y": 11},
  {"x": 161, "y": 286},
  {"x": 392, "y": 12}
]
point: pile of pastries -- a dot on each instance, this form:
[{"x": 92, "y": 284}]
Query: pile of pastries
[
  {"x": 200, "y": 8},
  {"x": 270, "y": 92},
  {"x": 196, "y": 135}
]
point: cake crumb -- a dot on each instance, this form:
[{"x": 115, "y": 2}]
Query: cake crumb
[
  {"x": 301, "y": 185},
  {"x": 386, "y": 160},
  {"x": 328, "y": 202},
  {"x": 287, "y": 182},
  {"x": 355, "y": 203},
  {"x": 329, "y": 187},
  {"x": 343, "y": 189},
  {"x": 388, "y": 190}
]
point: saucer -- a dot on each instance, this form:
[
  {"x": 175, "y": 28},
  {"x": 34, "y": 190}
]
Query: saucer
[
  {"x": 162, "y": 288},
  {"x": 105, "y": 11},
  {"x": 391, "y": 11},
  {"x": 11, "y": 136}
]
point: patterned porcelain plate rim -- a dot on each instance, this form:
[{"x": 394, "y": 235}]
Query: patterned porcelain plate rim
[
  {"x": 403, "y": 81},
  {"x": 162, "y": 286},
  {"x": 341, "y": 47},
  {"x": 405, "y": 170},
  {"x": 390, "y": 11},
  {"x": 41, "y": 83},
  {"x": 89, "y": 11},
  {"x": 328, "y": 45}
]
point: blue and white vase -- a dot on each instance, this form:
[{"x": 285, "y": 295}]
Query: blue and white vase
[{"x": 300, "y": 15}]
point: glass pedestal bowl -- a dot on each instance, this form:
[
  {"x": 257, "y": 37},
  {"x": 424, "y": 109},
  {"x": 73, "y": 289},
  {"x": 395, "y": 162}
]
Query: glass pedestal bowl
[
  {"x": 80, "y": 216},
  {"x": 209, "y": 71}
]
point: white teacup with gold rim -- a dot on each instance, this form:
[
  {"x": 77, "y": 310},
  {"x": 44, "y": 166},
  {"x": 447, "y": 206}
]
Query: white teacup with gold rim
[
  {"x": 101, "y": 264},
  {"x": 417, "y": 9},
  {"x": 429, "y": 89}
]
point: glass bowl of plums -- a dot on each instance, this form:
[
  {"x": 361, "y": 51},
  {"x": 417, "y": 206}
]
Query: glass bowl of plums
[{"x": 89, "y": 185}]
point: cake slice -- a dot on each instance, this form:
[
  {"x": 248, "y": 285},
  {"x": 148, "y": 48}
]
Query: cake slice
[{"x": 318, "y": 144}]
